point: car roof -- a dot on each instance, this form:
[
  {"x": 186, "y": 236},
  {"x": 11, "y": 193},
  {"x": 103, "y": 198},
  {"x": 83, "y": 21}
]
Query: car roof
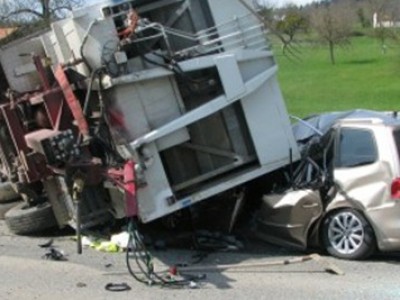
[{"x": 321, "y": 123}]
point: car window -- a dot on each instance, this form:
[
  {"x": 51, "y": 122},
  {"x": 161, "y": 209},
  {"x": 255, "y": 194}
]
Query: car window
[
  {"x": 396, "y": 136},
  {"x": 356, "y": 147}
]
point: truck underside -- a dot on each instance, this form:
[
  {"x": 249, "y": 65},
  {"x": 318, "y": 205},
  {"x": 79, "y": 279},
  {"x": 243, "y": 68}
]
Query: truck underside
[{"x": 142, "y": 108}]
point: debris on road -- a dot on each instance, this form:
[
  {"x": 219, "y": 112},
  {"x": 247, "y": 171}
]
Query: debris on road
[
  {"x": 328, "y": 267},
  {"x": 121, "y": 240},
  {"x": 81, "y": 285},
  {"x": 55, "y": 254},
  {"x": 117, "y": 287}
]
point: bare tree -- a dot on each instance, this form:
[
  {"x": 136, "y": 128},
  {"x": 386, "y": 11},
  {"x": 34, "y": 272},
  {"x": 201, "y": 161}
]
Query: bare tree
[
  {"x": 379, "y": 6},
  {"x": 333, "y": 24},
  {"x": 385, "y": 13},
  {"x": 28, "y": 11}
]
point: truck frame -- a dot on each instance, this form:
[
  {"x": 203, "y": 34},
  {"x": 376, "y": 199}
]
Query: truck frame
[{"x": 141, "y": 108}]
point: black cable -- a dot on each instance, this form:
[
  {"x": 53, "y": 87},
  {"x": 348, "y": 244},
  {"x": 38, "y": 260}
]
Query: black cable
[
  {"x": 145, "y": 265},
  {"x": 131, "y": 246},
  {"x": 171, "y": 64}
]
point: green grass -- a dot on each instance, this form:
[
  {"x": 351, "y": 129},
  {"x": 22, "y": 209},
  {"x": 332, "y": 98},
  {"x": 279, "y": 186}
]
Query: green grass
[{"x": 363, "y": 77}]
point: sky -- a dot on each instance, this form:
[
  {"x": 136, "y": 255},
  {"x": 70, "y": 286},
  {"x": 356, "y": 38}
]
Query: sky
[
  {"x": 273, "y": 3},
  {"x": 280, "y": 3}
]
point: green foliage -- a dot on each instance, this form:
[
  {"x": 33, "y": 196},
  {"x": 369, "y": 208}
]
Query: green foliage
[
  {"x": 268, "y": 14},
  {"x": 362, "y": 78},
  {"x": 292, "y": 23},
  {"x": 364, "y": 20}
]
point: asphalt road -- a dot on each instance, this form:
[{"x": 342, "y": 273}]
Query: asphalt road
[{"x": 24, "y": 274}]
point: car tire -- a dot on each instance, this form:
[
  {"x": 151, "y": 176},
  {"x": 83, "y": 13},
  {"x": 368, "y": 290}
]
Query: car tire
[
  {"x": 347, "y": 234},
  {"x": 24, "y": 220}
]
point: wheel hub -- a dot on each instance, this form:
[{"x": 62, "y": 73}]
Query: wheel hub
[{"x": 346, "y": 233}]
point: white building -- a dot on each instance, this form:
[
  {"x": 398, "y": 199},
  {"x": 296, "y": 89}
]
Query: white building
[{"x": 384, "y": 21}]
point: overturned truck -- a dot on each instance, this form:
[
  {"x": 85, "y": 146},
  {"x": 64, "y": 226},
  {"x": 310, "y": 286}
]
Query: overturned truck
[{"x": 139, "y": 108}]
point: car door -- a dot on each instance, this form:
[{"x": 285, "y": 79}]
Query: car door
[
  {"x": 358, "y": 170},
  {"x": 287, "y": 217}
]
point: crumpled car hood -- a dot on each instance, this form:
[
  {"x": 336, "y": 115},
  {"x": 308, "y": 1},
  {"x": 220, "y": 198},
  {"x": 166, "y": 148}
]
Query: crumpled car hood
[{"x": 323, "y": 122}]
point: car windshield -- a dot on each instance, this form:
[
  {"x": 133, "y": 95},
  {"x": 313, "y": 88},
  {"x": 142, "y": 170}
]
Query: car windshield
[{"x": 356, "y": 148}]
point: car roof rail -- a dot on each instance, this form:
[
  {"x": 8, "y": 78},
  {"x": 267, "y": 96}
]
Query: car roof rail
[{"x": 361, "y": 121}]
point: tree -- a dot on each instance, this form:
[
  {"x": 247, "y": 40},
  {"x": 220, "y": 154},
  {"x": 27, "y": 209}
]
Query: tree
[
  {"x": 30, "y": 11},
  {"x": 284, "y": 23},
  {"x": 333, "y": 24},
  {"x": 365, "y": 22},
  {"x": 292, "y": 22},
  {"x": 385, "y": 12}
]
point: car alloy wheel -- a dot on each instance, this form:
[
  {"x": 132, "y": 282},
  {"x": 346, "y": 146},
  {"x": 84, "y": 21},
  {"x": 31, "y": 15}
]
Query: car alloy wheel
[{"x": 347, "y": 234}]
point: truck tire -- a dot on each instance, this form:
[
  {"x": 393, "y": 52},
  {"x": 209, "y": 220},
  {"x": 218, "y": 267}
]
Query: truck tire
[
  {"x": 5, "y": 207},
  {"x": 7, "y": 192},
  {"x": 23, "y": 219}
]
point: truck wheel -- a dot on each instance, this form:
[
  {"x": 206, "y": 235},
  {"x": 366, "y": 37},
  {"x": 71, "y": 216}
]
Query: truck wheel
[
  {"x": 5, "y": 207},
  {"x": 7, "y": 192},
  {"x": 23, "y": 219},
  {"x": 347, "y": 234}
]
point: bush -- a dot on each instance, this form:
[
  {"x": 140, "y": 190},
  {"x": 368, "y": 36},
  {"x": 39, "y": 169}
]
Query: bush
[{"x": 357, "y": 33}]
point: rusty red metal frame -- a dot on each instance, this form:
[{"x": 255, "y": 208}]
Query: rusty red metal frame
[
  {"x": 53, "y": 101},
  {"x": 73, "y": 102},
  {"x": 124, "y": 178}
]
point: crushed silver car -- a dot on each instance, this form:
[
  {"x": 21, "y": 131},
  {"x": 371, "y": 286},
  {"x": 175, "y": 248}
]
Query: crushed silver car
[{"x": 345, "y": 196}]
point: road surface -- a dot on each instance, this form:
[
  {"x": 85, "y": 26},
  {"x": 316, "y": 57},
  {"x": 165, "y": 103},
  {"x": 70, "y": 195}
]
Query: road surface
[{"x": 25, "y": 274}]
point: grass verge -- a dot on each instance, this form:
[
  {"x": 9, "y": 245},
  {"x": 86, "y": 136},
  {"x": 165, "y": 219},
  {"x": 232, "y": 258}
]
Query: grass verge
[{"x": 363, "y": 77}]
